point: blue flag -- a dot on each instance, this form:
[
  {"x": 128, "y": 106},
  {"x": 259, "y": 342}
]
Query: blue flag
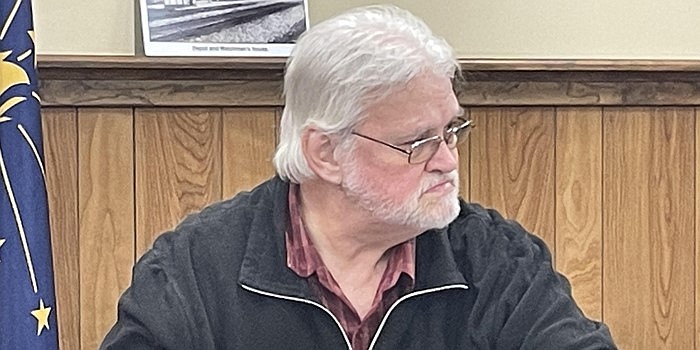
[{"x": 27, "y": 301}]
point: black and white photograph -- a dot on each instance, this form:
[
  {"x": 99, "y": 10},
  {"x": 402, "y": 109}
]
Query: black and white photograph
[{"x": 222, "y": 27}]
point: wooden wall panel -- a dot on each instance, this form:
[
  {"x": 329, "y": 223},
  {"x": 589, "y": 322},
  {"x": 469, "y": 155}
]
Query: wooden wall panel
[
  {"x": 512, "y": 165},
  {"x": 178, "y": 167},
  {"x": 153, "y": 92},
  {"x": 244, "y": 81},
  {"x": 532, "y": 156},
  {"x": 249, "y": 140},
  {"x": 60, "y": 131},
  {"x": 106, "y": 204},
  {"x": 464, "y": 160},
  {"x": 697, "y": 228},
  {"x": 579, "y": 204},
  {"x": 648, "y": 284}
]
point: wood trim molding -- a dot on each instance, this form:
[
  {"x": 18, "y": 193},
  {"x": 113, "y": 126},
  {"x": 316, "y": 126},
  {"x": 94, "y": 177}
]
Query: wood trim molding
[
  {"x": 580, "y": 65},
  {"x": 229, "y": 82}
]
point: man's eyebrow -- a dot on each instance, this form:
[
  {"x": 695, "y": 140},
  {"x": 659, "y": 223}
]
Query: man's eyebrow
[
  {"x": 417, "y": 133},
  {"x": 420, "y": 132}
]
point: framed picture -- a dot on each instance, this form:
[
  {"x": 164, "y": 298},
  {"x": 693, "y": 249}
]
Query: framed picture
[{"x": 222, "y": 27}]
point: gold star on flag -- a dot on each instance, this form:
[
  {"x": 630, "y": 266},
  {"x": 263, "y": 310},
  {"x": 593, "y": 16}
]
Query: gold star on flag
[{"x": 42, "y": 317}]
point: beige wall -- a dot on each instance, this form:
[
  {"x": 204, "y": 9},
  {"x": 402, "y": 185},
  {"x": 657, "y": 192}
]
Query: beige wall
[{"x": 649, "y": 29}]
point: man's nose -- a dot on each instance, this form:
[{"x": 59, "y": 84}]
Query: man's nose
[{"x": 444, "y": 160}]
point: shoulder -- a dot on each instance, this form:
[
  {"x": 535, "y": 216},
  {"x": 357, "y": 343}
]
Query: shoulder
[
  {"x": 523, "y": 302},
  {"x": 166, "y": 304},
  {"x": 483, "y": 239},
  {"x": 221, "y": 230}
]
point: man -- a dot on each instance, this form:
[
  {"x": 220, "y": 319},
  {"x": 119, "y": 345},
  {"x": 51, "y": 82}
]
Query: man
[{"x": 361, "y": 240}]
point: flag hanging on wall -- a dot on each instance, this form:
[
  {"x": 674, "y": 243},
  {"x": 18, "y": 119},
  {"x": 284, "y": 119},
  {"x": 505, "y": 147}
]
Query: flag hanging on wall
[{"x": 27, "y": 301}]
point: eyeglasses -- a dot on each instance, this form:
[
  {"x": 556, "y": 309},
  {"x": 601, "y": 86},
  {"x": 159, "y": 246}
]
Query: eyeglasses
[{"x": 422, "y": 150}]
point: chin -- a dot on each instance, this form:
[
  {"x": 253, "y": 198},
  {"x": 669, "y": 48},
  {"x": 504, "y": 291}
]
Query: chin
[{"x": 436, "y": 215}]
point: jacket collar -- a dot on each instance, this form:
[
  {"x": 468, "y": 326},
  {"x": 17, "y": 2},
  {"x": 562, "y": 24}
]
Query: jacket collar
[
  {"x": 435, "y": 261},
  {"x": 264, "y": 264}
]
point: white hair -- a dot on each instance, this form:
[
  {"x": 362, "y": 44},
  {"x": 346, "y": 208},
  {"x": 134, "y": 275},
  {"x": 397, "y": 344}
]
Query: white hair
[{"x": 343, "y": 65}]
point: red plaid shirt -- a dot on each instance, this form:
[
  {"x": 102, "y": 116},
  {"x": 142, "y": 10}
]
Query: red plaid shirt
[{"x": 304, "y": 260}]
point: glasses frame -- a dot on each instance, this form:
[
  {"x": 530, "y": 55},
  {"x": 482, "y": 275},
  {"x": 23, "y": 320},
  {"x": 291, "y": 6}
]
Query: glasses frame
[{"x": 454, "y": 131}]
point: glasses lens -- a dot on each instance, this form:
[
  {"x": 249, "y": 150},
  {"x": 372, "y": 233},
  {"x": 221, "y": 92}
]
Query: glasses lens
[
  {"x": 463, "y": 134},
  {"x": 424, "y": 151},
  {"x": 451, "y": 139},
  {"x": 460, "y": 134}
]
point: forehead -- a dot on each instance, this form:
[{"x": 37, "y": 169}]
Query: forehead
[{"x": 426, "y": 101}]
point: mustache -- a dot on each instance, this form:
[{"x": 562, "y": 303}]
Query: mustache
[{"x": 434, "y": 180}]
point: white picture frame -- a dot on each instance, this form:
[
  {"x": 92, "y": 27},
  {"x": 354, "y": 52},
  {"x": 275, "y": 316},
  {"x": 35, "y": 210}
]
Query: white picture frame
[{"x": 238, "y": 28}]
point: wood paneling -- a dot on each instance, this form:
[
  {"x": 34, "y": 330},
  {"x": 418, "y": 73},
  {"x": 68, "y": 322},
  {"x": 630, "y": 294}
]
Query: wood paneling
[
  {"x": 697, "y": 227},
  {"x": 512, "y": 165},
  {"x": 60, "y": 131},
  {"x": 648, "y": 223},
  {"x": 249, "y": 141},
  {"x": 464, "y": 156},
  {"x": 530, "y": 90},
  {"x": 579, "y": 93},
  {"x": 208, "y": 82},
  {"x": 106, "y": 204},
  {"x": 178, "y": 167},
  {"x": 579, "y": 204},
  {"x": 614, "y": 191},
  {"x": 541, "y": 166},
  {"x": 187, "y": 93}
]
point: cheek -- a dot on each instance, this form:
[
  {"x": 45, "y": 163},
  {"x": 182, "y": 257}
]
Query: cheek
[
  {"x": 401, "y": 184},
  {"x": 388, "y": 173}
]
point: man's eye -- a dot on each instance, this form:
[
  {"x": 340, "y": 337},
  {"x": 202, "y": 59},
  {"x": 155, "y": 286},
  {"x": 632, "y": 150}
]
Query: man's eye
[
  {"x": 417, "y": 140},
  {"x": 411, "y": 141}
]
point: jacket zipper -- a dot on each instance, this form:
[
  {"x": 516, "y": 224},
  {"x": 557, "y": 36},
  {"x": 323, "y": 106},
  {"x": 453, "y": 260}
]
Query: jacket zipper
[
  {"x": 407, "y": 296},
  {"x": 305, "y": 301}
]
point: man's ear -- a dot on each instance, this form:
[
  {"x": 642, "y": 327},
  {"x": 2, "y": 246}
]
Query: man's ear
[{"x": 318, "y": 150}]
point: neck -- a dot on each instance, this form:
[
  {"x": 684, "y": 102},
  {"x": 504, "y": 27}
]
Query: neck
[{"x": 345, "y": 235}]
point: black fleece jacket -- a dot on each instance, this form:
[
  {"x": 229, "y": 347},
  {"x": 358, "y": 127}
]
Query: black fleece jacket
[{"x": 219, "y": 280}]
